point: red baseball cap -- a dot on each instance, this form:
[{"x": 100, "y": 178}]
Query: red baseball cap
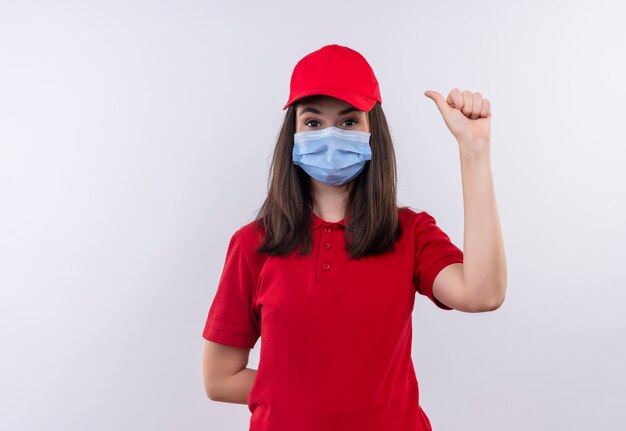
[{"x": 337, "y": 71}]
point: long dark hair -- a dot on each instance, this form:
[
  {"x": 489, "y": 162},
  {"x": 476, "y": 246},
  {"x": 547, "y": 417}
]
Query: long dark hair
[{"x": 372, "y": 225}]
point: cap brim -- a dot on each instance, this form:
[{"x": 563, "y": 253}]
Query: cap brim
[{"x": 359, "y": 101}]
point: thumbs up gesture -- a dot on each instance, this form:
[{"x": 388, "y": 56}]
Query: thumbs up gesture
[{"x": 467, "y": 115}]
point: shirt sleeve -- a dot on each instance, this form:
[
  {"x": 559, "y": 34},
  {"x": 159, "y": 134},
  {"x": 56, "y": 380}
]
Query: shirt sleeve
[
  {"x": 433, "y": 252},
  {"x": 232, "y": 319}
]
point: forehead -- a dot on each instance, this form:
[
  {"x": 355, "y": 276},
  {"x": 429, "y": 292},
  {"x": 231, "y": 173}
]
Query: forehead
[{"x": 323, "y": 102}]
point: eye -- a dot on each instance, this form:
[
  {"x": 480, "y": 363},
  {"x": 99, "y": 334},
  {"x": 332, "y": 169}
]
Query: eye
[
  {"x": 352, "y": 120},
  {"x": 307, "y": 123}
]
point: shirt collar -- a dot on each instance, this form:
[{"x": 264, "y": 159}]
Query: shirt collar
[{"x": 317, "y": 221}]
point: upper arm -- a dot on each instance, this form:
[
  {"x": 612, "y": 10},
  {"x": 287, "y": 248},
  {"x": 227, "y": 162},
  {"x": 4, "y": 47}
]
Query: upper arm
[
  {"x": 437, "y": 257},
  {"x": 221, "y": 361},
  {"x": 232, "y": 326},
  {"x": 233, "y": 318},
  {"x": 439, "y": 267},
  {"x": 448, "y": 287}
]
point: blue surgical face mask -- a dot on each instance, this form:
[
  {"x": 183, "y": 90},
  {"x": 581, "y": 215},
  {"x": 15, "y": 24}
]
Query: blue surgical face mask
[{"x": 332, "y": 155}]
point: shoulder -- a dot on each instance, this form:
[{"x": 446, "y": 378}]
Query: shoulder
[
  {"x": 247, "y": 238},
  {"x": 251, "y": 232},
  {"x": 414, "y": 218}
]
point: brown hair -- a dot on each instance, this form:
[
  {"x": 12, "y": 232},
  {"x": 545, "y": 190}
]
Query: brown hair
[{"x": 372, "y": 225}]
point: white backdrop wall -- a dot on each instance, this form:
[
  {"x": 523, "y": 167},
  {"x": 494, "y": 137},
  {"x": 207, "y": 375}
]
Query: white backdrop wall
[{"x": 135, "y": 137}]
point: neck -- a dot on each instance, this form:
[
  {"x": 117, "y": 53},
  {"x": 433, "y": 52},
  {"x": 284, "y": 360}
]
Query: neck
[{"x": 329, "y": 202}]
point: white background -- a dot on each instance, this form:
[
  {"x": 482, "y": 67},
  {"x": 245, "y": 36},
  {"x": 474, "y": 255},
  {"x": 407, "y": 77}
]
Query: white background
[{"x": 135, "y": 138}]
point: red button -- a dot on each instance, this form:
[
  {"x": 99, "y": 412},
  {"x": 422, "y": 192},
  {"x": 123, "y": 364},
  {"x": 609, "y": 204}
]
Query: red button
[
  {"x": 327, "y": 229},
  {"x": 327, "y": 245},
  {"x": 326, "y": 266}
]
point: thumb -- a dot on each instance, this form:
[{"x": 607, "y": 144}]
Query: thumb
[{"x": 441, "y": 103}]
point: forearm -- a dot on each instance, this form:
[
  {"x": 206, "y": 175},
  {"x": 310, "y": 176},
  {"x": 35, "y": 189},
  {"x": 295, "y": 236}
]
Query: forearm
[
  {"x": 234, "y": 389},
  {"x": 484, "y": 268}
]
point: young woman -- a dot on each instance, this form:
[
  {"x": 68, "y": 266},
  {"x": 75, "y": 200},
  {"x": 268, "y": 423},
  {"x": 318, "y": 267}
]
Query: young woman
[{"x": 327, "y": 273}]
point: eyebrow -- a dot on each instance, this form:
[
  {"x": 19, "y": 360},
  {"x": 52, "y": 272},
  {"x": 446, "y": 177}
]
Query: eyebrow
[{"x": 316, "y": 111}]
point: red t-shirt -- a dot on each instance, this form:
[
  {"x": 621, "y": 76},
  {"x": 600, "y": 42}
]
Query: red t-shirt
[{"x": 336, "y": 333}]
